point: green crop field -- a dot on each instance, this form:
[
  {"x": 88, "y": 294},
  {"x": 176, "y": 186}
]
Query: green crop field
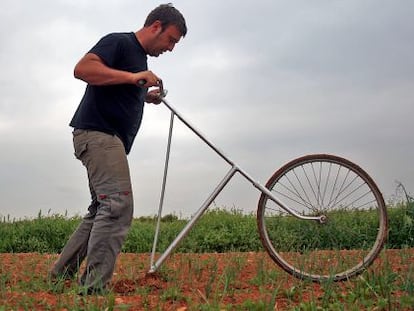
[{"x": 220, "y": 265}]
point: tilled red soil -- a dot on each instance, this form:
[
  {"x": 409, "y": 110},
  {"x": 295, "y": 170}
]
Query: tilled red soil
[{"x": 230, "y": 281}]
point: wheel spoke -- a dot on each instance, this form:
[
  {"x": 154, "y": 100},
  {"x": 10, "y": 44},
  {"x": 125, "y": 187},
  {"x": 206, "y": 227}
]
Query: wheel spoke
[{"x": 353, "y": 234}]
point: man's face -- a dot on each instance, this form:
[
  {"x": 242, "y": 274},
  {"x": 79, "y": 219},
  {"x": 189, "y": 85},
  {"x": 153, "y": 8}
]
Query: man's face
[{"x": 164, "y": 40}]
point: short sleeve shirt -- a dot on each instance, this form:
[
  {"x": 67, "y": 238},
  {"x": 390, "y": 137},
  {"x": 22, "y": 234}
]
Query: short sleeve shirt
[{"x": 115, "y": 109}]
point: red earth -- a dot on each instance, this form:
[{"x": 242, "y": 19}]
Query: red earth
[{"x": 229, "y": 281}]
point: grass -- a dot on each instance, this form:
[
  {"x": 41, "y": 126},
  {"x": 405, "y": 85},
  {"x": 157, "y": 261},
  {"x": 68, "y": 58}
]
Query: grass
[
  {"x": 201, "y": 282},
  {"x": 219, "y": 230}
]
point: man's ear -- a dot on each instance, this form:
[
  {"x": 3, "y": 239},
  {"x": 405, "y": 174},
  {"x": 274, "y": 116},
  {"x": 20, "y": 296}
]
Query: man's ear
[{"x": 156, "y": 27}]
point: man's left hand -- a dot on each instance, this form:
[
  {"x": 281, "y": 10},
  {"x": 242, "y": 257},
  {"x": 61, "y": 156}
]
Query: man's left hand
[{"x": 153, "y": 97}]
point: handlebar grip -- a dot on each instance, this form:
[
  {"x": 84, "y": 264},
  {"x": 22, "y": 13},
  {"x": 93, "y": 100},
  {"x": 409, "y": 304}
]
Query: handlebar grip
[{"x": 142, "y": 82}]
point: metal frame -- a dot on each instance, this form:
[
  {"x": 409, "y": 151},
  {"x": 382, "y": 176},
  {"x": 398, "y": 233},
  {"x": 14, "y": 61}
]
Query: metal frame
[{"x": 154, "y": 265}]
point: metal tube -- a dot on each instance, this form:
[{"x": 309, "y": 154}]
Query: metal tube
[
  {"x": 256, "y": 184},
  {"x": 234, "y": 168},
  {"x": 193, "y": 220},
  {"x": 164, "y": 182},
  {"x": 198, "y": 133}
]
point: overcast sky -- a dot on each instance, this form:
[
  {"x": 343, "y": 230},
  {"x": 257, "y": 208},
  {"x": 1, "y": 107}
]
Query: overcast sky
[{"x": 266, "y": 81}]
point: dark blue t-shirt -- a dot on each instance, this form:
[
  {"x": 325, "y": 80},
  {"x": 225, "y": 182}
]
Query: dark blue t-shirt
[{"x": 115, "y": 109}]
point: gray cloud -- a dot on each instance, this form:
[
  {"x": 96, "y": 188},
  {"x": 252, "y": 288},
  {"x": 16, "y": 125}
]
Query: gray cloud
[{"x": 266, "y": 82}]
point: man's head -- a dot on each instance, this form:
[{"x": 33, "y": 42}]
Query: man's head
[
  {"x": 163, "y": 28},
  {"x": 167, "y": 15}
]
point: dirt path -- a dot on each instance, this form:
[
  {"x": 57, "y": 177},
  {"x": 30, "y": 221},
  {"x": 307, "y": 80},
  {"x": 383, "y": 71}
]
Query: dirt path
[{"x": 230, "y": 281}]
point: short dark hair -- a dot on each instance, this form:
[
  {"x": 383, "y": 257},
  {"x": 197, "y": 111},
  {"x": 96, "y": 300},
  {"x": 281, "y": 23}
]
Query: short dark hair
[{"x": 167, "y": 15}]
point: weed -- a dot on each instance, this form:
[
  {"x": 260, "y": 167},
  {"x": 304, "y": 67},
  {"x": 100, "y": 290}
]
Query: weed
[
  {"x": 211, "y": 279},
  {"x": 173, "y": 294}
]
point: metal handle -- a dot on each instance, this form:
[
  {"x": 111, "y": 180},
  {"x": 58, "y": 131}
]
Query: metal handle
[{"x": 163, "y": 92}]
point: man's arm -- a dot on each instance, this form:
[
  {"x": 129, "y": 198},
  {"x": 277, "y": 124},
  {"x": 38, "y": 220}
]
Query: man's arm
[{"x": 93, "y": 70}]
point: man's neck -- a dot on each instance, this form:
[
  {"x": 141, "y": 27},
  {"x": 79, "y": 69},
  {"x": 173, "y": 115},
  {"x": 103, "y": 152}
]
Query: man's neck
[{"x": 142, "y": 36}]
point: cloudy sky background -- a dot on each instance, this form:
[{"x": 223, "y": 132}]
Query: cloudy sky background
[{"x": 266, "y": 81}]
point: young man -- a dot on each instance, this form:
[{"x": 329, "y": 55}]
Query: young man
[{"x": 105, "y": 125}]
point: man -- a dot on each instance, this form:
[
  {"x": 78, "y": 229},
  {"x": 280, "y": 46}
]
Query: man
[{"x": 105, "y": 125}]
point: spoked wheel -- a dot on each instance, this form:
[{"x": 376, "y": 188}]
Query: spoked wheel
[{"x": 352, "y": 232}]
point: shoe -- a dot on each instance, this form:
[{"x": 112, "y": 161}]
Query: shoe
[
  {"x": 87, "y": 291},
  {"x": 57, "y": 277}
]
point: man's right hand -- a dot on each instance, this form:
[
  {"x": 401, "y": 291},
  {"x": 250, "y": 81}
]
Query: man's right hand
[{"x": 146, "y": 79}]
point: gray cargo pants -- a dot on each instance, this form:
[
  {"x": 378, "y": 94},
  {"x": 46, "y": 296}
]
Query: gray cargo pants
[{"x": 102, "y": 231}]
